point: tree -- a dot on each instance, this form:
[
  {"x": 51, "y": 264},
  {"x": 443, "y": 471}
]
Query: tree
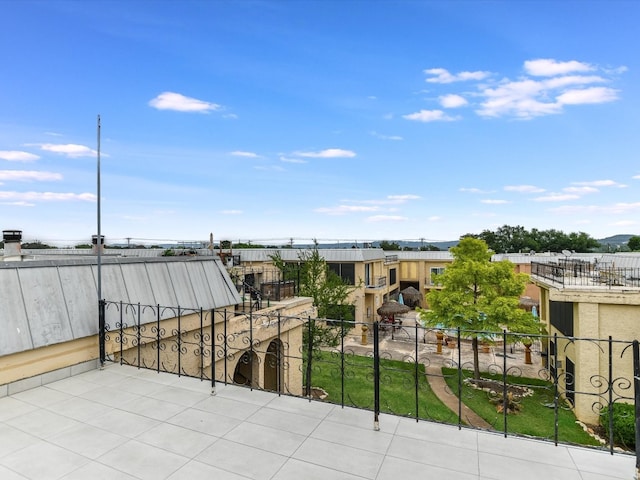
[
  {"x": 393, "y": 246},
  {"x": 478, "y": 296},
  {"x": 634, "y": 243},
  {"x": 329, "y": 292}
]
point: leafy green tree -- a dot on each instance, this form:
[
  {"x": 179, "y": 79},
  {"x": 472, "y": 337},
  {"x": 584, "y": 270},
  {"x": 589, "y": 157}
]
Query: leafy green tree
[
  {"x": 478, "y": 296},
  {"x": 36, "y": 245},
  {"x": 329, "y": 292},
  {"x": 386, "y": 245},
  {"x": 83, "y": 246},
  {"x": 634, "y": 243}
]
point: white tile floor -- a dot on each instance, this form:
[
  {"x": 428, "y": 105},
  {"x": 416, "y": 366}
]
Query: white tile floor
[{"x": 124, "y": 423}]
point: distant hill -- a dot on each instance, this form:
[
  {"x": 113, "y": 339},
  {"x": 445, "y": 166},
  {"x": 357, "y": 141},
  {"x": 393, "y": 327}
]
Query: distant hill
[{"x": 615, "y": 241}]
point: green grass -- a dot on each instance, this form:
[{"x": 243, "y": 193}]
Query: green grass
[
  {"x": 398, "y": 396},
  {"x": 535, "y": 418},
  {"x": 397, "y": 386}
]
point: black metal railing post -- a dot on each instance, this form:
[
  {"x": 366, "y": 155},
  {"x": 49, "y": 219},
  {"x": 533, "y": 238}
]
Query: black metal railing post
[
  {"x": 309, "y": 358},
  {"x": 201, "y": 341},
  {"x": 279, "y": 356},
  {"x": 459, "y": 380},
  {"x": 342, "y": 363},
  {"x": 139, "y": 333},
  {"x": 225, "y": 347},
  {"x": 159, "y": 338},
  {"x": 251, "y": 353},
  {"x": 416, "y": 375},
  {"x": 101, "y": 332},
  {"x": 121, "y": 332},
  {"x": 610, "y": 391},
  {"x": 505, "y": 393},
  {"x": 213, "y": 351},
  {"x": 376, "y": 376},
  {"x": 556, "y": 399},
  {"x": 636, "y": 391}
]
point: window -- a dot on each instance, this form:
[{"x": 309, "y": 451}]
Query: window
[
  {"x": 367, "y": 274},
  {"x": 346, "y": 271},
  {"x": 561, "y": 317},
  {"x": 435, "y": 271},
  {"x": 392, "y": 276}
]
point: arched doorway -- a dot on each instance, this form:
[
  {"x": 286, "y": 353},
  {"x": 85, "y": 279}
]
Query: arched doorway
[
  {"x": 244, "y": 374},
  {"x": 273, "y": 367}
]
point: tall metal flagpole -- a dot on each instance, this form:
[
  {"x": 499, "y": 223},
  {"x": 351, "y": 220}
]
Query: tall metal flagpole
[
  {"x": 99, "y": 240},
  {"x": 101, "y": 307}
]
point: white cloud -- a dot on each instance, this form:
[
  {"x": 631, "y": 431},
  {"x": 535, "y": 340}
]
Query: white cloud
[
  {"x": 557, "y": 197},
  {"x": 387, "y": 218},
  {"x": 434, "y": 218},
  {"x": 615, "y": 209},
  {"x": 28, "y": 176},
  {"x": 181, "y": 103},
  {"x": 403, "y": 198},
  {"x": 494, "y": 202},
  {"x": 452, "y": 101},
  {"x": 588, "y": 95},
  {"x": 344, "y": 209},
  {"x": 523, "y": 189},
  {"x": 599, "y": 183},
  {"x": 429, "y": 116},
  {"x": 19, "y": 204},
  {"x": 386, "y": 137},
  {"x": 519, "y": 99},
  {"x": 636, "y": 177},
  {"x": 475, "y": 190},
  {"x": 70, "y": 149},
  {"x": 570, "y": 80},
  {"x": 624, "y": 223},
  {"x": 240, "y": 153},
  {"x": 441, "y": 75},
  {"x": 292, "y": 160},
  {"x": 17, "y": 156},
  {"x": 548, "y": 67},
  {"x": 46, "y": 196},
  {"x": 327, "y": 153},
  {"x": 580, "y": 190},
  {"x": 276, "y": 168}
]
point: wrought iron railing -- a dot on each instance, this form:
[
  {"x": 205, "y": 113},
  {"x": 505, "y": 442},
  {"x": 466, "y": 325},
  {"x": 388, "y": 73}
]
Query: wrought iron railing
[
  {"x": 579, "y": 273},
  {"x": 406, "y": 369}
]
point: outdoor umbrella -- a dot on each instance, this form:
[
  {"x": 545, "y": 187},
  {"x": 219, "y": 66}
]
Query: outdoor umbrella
[
  {"x": 528, "y": 303},
  {"x": 411, "y": 296},
  {"x": 391, "y": 308}
]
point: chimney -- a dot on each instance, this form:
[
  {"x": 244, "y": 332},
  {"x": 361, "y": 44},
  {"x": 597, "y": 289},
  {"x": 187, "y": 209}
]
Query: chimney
[
  {"x": 94, "y": 244},
  {"x": 12, "y": 244}
]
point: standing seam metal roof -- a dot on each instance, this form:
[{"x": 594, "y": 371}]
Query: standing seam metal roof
[{"x": 43, "y": 303}]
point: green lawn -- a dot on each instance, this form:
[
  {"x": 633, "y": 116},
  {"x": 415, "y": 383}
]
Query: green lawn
[
  {"x": 397, "y": 386},
  {"x": 536, "y": 417},
  {"x": 398, "y": 396}
]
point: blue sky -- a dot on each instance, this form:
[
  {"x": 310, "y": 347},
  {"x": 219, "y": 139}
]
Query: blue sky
[{"x": 333, "y": 120}]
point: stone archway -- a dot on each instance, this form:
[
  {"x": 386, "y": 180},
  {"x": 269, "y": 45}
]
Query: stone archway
[
  {"x": 245, "y": 373},
  {"x": 273, "y": 367}
]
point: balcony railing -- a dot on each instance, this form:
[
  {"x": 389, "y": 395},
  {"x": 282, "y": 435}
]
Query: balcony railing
[
  {"x": 377, "y": 282},
  {"x": 352, "y": 366},
  {"x": 586, "y": 274}
]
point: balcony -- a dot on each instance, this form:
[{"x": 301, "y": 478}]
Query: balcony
[
  {"x": 576, "y": 273},
  {"x": 376, "y": 283}
]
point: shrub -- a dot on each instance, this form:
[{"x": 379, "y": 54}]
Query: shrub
[{"x": 624, "y": 423}]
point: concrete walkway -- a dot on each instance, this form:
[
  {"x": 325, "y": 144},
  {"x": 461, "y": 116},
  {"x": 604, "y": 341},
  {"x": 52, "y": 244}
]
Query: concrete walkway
[{"x": 443, "y": 392}]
